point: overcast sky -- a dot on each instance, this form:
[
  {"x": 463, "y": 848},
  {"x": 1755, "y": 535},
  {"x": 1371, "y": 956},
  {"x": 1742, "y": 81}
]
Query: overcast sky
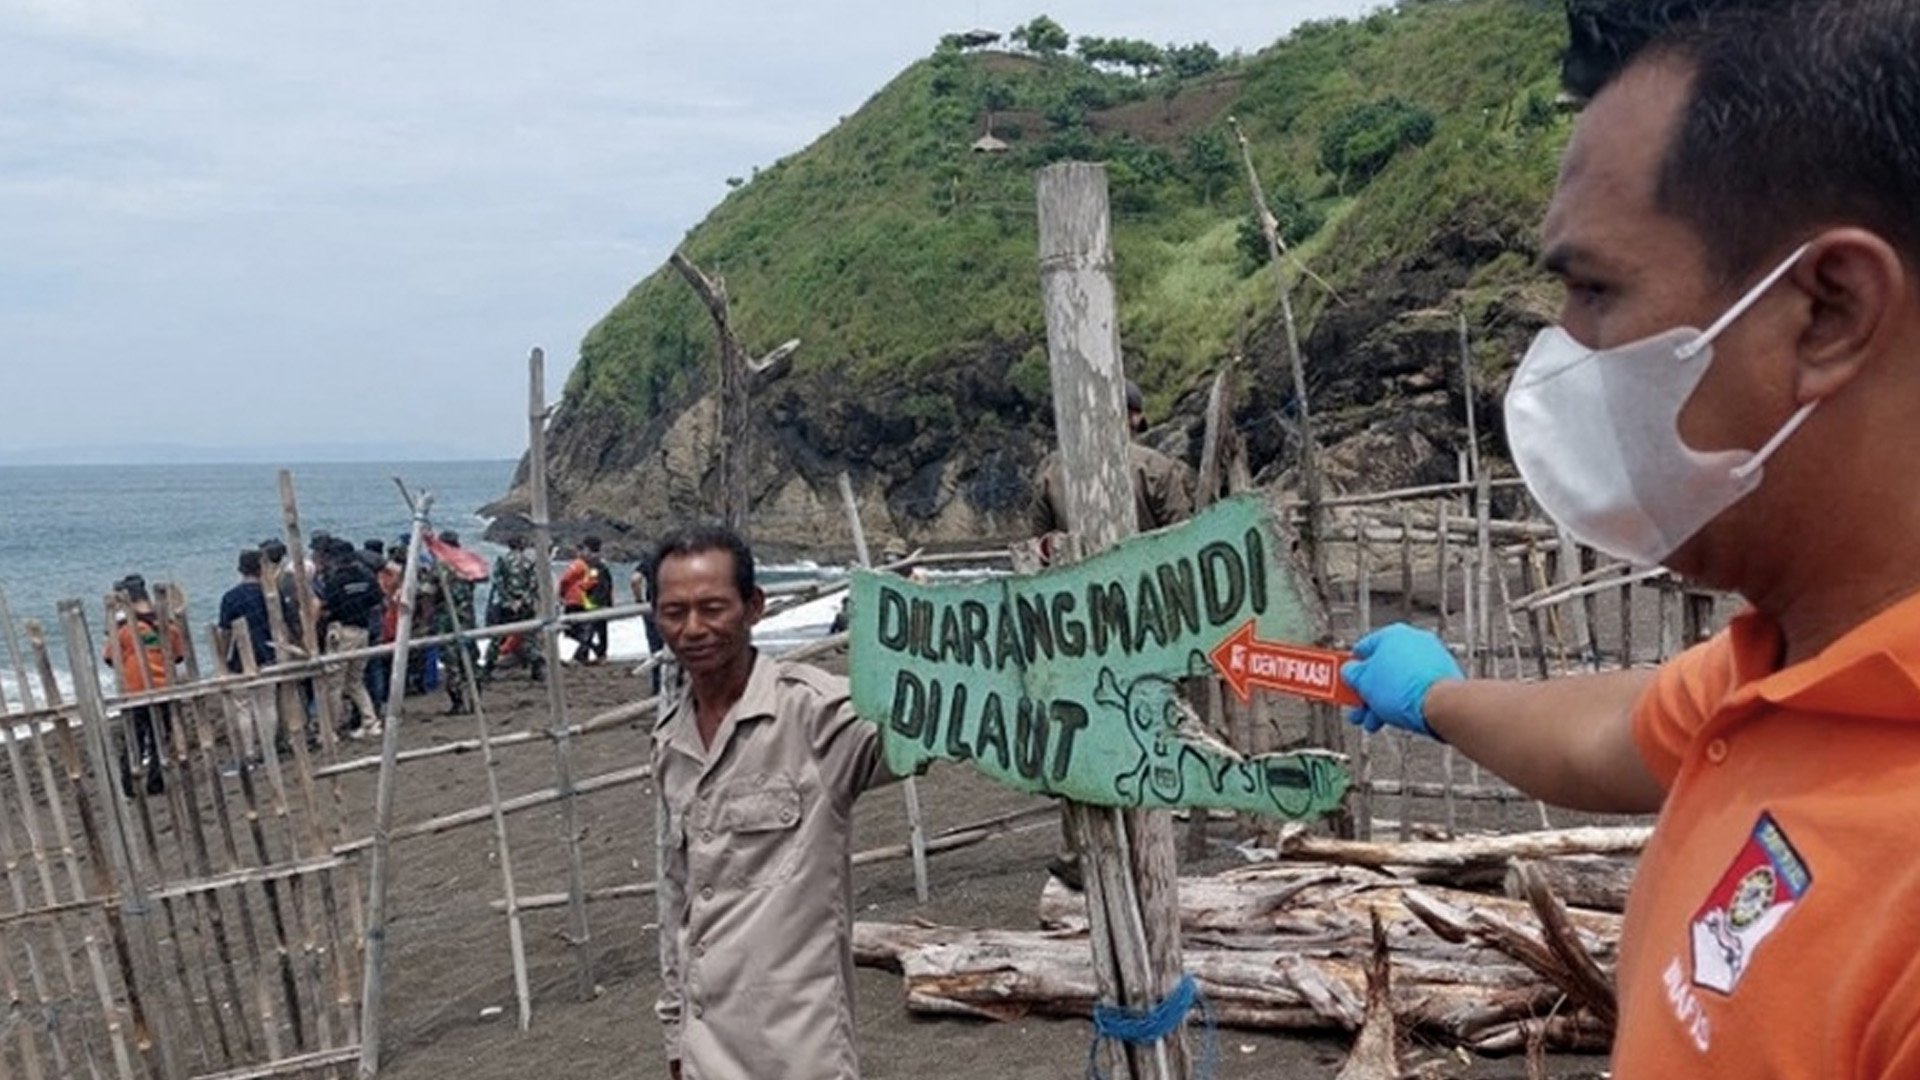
[{"x": 235, "y": 223}]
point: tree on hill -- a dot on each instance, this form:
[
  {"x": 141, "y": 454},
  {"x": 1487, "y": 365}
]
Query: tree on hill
[
  {"x": 1357, "y": 145},
  {"x": 1042, "y": 36},
  {"x": 1142, "y": 58},
  {"x": 1192, "y": 61}
]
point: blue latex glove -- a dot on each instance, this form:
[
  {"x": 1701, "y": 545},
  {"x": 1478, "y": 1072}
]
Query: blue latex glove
[{"x": 1392, "y": 670}]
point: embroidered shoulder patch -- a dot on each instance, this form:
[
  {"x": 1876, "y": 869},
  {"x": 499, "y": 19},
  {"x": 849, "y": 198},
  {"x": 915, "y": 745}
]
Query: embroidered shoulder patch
[{"x": 1765, "y": 880}]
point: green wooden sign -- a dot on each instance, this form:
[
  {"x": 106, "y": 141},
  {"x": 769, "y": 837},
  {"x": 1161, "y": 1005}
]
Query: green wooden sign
[{"x": 1069, "y": 682}]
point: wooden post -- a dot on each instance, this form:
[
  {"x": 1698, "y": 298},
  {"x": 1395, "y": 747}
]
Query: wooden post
[
  {"x": 139, "y": 952},
  {"x": 917, "y": 836},
  {"x": 230, "y": 852},
  {"x": 372, "y": 1007},
  {"x": 1363, "y": 614},
  {"x": 737, "y": 375},
  {"x": 1326, "y": 721},
  {"x": 579, "y": 936},
  {"x": 1215, "y": 442},
  {"x": 1131, "y": 884},
  {"x": 510, "y": 891}
]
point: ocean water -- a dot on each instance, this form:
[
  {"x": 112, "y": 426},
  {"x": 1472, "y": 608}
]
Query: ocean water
[{"x": 70, "y": 532}]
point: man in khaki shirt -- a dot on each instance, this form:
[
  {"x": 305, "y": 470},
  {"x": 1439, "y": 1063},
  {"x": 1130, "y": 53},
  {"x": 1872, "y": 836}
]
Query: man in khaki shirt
[
  {"x": 1163, "y": 487},
  {"x": 758, "y": 763}
]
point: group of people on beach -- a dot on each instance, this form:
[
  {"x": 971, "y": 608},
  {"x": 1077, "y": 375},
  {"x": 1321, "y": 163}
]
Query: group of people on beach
[{"x": 355, "y": 602}]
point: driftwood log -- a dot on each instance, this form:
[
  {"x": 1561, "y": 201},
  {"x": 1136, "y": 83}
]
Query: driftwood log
[{"x": 1289, "y": 946}]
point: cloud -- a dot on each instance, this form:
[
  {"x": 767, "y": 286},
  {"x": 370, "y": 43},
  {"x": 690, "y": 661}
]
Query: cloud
[{"x": 377, "y": 208}]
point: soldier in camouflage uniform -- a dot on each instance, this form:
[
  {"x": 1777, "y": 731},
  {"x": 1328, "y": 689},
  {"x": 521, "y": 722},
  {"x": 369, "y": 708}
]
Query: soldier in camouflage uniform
[
  {"x": 455, "y": 612},
  {"x": 516, "y": 597}
]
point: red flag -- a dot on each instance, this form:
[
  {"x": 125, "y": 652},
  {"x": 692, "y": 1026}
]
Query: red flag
[{"x": 467, "y": 564}]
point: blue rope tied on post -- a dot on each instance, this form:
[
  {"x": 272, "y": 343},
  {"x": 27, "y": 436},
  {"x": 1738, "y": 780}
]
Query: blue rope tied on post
[{"x": 1144, "y": 1027}]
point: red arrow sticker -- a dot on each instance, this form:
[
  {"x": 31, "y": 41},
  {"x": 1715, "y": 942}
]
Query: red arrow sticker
[{"x": 1246, "y": 662}]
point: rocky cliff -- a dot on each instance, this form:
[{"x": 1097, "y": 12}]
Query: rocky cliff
[{"x": 1409, "y": 155}]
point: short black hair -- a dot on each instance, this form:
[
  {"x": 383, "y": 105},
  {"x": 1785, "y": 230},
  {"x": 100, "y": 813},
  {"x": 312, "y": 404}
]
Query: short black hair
[
  {"x": 694, "y": 539},
  {"x": 274, "y": 551},
  {"x": 448, "y": 536},
  {"x": 1802, "y": 115},
  {"x": 250, "y": 563},
  {"x": 375, "y": 545},
  {"x": 591, "y": 543}
]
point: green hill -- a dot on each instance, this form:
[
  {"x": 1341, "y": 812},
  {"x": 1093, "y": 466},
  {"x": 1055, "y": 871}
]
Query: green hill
[{"x": 1410, "y": 154}]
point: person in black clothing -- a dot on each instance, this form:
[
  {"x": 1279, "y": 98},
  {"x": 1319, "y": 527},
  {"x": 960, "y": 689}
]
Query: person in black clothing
[
  {"x": 349, "y": 597},
  {"x": 248, "y": 600}
]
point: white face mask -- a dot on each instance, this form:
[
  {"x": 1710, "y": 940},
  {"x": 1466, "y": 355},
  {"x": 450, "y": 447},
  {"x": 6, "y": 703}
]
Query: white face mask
[{"x": 1596, "y": 435}]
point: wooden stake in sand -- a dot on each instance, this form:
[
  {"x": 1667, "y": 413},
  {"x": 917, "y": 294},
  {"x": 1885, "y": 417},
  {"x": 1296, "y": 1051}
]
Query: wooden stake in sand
[
  {"x": 516, "y": 933},
  {"x": 579, "y": 936},
  {"x": 1130, "y": 874},
  {"x": 917, "y": 835},
  {"x": 371, "y": 988}
]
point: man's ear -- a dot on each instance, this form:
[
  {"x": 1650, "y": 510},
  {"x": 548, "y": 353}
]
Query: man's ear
[
  {"x": 756, "y": 605},
  {"x": 1856, "y": 282}
]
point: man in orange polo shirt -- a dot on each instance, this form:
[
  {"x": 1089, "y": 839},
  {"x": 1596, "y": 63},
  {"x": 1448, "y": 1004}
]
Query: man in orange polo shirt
[{"x": 1755, "y": 173}]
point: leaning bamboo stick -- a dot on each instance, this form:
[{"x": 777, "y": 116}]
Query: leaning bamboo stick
[
  {"x": 17, "y": 1001},
  {"x": 29, "y": 817},
  {"x": 276, "y": 905},
  {"x": 965, "y": 836},
  {"x": 231, "y": 862},
  {"x": 910, "y": 788},
  {"x": 113, "y": 855},
  {"x": 336, "y": 821},
  {"x": 316, "y": 823},
  {"x": 516, "y": 931},
  {"x": 579, "y": 934},
  {"x": 477, "y": 814},
  {"x": 372, "y": 985},
  {"x": 117, "y": 612},
  {"x": 103, "y": 987},
  {"x": 310, "y": 954},
  {"x": 191, "y": 842}
]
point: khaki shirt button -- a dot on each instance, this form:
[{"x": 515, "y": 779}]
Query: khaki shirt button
[
  {"x": 698, "y": 1011},
  {"x": 787, "y": 814},
  {"x": 699, "y": 950},
  {"x": 1717, "y": 751},
  {"x": 706, "y": 892},
  {"x": 706, "y": 836}
]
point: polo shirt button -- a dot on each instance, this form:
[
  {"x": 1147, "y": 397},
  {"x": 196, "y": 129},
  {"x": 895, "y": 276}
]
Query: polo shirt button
[
  {"x": 1717, "y": 751},
  {"x": 706, "y": 836},
  {"x": 706, "y": 892}
]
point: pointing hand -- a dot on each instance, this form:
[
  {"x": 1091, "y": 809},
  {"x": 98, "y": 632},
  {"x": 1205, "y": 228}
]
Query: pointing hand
[{"x": 1392, "y": 671}]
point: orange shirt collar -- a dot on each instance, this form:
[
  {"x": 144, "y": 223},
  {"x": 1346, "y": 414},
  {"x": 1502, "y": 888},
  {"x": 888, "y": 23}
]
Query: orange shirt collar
[{"x": 1873, "y": 670}]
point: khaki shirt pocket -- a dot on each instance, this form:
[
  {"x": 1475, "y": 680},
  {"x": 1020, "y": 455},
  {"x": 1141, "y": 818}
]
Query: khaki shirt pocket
[{"x": 761, "y": 827}]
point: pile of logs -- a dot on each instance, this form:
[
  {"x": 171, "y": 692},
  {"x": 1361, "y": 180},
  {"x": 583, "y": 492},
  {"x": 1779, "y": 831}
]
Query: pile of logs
[{"x": 1485, "y": 952}]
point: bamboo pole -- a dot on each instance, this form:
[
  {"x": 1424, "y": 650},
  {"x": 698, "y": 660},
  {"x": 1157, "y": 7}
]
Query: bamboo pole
[
  {"x": 372, "y": 987},
  {"x": 330, "y": 745},
  {"x": 316, "y": 825},
  {"x": 117, "y": 858},
  {"x": 916, "y": 829},
  {"x": 118, "y": 611},
  {"x": 516, "y": 932},
  {"x": 476, "y": 814},
  {"x": 18, "y": 1004},
  {"x": 197, "y": 861},
  {"x": 29, "y": 817},
  {"x": 580, "y": 936},
  {"x": 1130, "y": 853},
  {"x": 96, "y": 962},
  {"x": 964, "y": 836},
  {"x": 295, "y": 902},
  {"x": 231, "y": 862},
  {"x": 215, "y": 953},
  {"x": 1363, "y": 612}
]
